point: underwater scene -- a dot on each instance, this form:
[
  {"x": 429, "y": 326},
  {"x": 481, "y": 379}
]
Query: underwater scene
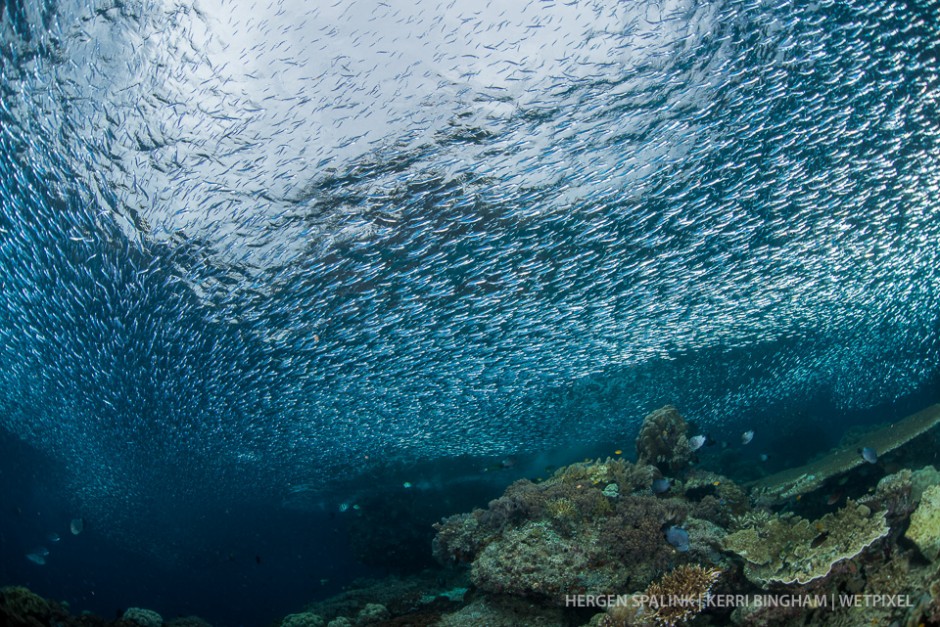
[{"x": 540, "y": 312}]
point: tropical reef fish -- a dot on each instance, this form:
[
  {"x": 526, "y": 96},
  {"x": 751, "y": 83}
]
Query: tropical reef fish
[
  {"x": 660, "y": 485},
  {"x": 818, "y": 540},
  {"x": 678, "y": 538},
  {"x": 869, "y": 454},
  {"x": 696, "y": 442},
  {"x": 77, "y": 526},
  {"x": 53, "y": 537},
  {"x": 747, "y": 436}
]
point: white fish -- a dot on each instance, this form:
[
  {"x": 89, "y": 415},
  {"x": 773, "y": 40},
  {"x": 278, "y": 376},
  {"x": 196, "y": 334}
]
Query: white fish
[
  {"x": 746, "y": 437},
  {"x": 696, "y": 442},
  {"x": 53, "y": 537},
  {"x": 36, "y": 558},
  {"x": 77, "y": 526}
]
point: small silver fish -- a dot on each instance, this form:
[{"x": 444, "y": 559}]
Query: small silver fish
[
  {"x": 746, "y": 437},
  {"x": 696, "y": 442},
  {"x": 869, "y": 454}
]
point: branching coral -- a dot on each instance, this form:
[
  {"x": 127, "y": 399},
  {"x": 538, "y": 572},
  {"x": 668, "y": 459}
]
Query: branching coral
[{"x": 681, "y": 594}]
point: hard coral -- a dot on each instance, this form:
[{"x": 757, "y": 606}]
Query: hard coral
[
  {"x": 458, "y": 538},
  {"x": 19, "y": 607},
  {"x": 303, "y": 619},
  {"x": 537, "y": 561},
  {"x": 143, "y": 617},
  {"x": 790, "y": 549},
  {"x": 681, "y": 594},
  {"x": 662, "y": 441},
  {"x": 564, "y": 536},
  {"x": 924, "y": 530},
  {"x": 795, "y": 481}
]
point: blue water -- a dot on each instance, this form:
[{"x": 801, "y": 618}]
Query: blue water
[{"x": 262, "y": 262}]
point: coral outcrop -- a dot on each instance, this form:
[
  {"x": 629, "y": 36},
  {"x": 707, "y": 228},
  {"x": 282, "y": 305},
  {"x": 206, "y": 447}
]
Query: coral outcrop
[
  {"x": 793, "y": 550},
  {"x": 536, "y": 560},
  {"x": 143, "y": 617},
  {"x": 663, "y": 441},
  {"x": 924, "y": 529},
  {"x": 303, "y": 619},
  {"x": 574, "y": 534},
  {"x": 19, "y": 607}
]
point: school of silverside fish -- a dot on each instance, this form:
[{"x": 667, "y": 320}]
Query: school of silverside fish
[{"x": 258, "y": 245}]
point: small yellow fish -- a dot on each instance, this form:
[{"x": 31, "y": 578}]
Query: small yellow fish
[{"x": 618, "y": 452}]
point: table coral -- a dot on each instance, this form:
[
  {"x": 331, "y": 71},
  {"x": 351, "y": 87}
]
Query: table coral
[{"x": 791, "y": 550}]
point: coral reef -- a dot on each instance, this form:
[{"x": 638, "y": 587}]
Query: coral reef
[
  {"x": 598, "y": 528},
  {"x": 143, "y": 617},
  {"x": 416, "y": 599},
  {"x": 535, "y": 560},
  {"x": 921, "y": 479},
  {"x": 795, "y": 481},
  {"x": 303, "y": 619},
  {"x": 573, "y": 534},
  {"x": 789, "y": 550},
  {"x": 504, "y": 612},
  {"x": 188, "y": 621},
  {"x": 372, "y": 613},
  {"x": 662, "y": 441},
  {"x": 894, "y": 495},
  {"x": 458, "y": 539},
  {"x": 680, "y": 595},
  {"x": 19, "y": 607},
  {"x": 924, "y": 529}
]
